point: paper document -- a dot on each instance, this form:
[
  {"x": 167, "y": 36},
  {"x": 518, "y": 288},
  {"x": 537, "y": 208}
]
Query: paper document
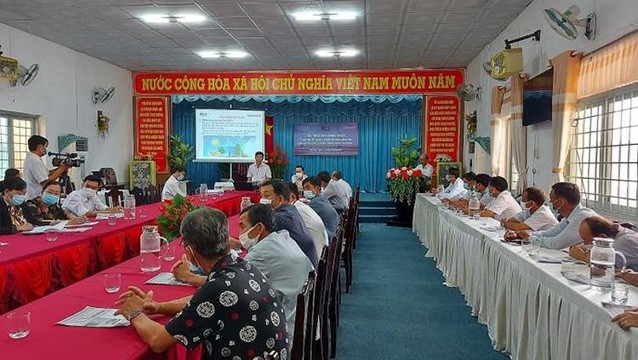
[
  {"x": 575, "y": 277},
  {"x": 42, "y": 229},
  {"x": 104, "y": 216},
  {"x": 75, "y": 229},
  {"x": 166, "y": 278},
  {"x": 548, "y": 259},
  {"x": 82, "y": 224},
  {"x": 615, "y": 309},
  {"x": 95, "y": 317}
]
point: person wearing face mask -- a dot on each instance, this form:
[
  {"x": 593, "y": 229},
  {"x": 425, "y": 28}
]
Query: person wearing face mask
[
  {"x": 311, "y": 219},
  {"x": 456, "y": 187},
  {"x": 469, "y": 182},
  {"x": 287, "y": 217},
  {"x": 85, "y": 202},
  {"x": 504, "y": 205},
  {"x": 536, "y": 216},
  {"x": 236, "y": 313},
  {"x": 321, "y": 205},
  {"x": 36, "y": 171},
  {"x": 13, "y": 196},
  {"x": 46, "y": 209},
  {"x": 299, "y": 176},
  {"x": 171, "y": 188},
  {"x": 565, "y": 199}
]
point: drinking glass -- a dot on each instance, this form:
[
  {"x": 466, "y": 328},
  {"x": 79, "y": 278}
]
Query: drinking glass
[
  {"x": 619, "y": 292},
  {"x": 168, "y": 251},
  {"x": 52, "y": 235},
  {"x": 19, "y": 324},
  {"x": 112, "y": 282},
  {"x": 567, "y": 265},
  {"x": 534, "y": 250},
  {"x": 112, "y": 219}
]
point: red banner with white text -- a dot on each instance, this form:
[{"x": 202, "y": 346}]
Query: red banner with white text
[
  {"x": 300, "y": 83},
  {"x": 152, "y": 129},
  {"x": 443, "y": 114}
]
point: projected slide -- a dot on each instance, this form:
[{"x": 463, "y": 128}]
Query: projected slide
[{"x": 228, "y": 135}]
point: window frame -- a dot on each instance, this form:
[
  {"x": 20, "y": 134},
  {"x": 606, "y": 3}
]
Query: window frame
[{"x": 11, "y": 116}]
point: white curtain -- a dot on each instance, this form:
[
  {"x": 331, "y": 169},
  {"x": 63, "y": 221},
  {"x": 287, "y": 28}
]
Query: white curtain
[
  {"x": 564, "y": 104},
  {"x": 518, "y": 133},
  {"x": 498, "y": 131}
]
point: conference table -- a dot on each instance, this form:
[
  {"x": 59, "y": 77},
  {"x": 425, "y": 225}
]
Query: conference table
[
  {"x": 51, "y": 341},
  {"x": 530, "y": 309},
  {"x": 31, "y": 267}
]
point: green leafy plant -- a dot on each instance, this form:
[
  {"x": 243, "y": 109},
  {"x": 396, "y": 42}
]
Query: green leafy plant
[
  {"x": 172, "y": 214},
  {"x": 405, "y": 154},
  {"x": 180, "y": 152},
  {"x": 403, "y": 182}
]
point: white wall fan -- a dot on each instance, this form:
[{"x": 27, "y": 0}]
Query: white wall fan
[
  {"x": 468, "y": 92},
  {"x": 101, "y": 95},
  {"x": 565, "y": 23},
  {"x": 24, "y": 75}
]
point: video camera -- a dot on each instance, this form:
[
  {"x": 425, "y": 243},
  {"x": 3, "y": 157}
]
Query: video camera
[{"x": 68, "y": 159}]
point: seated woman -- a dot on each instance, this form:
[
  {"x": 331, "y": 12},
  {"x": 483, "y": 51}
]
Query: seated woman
[
  {"x": 535, "y": 216},
  {"x": 46, "y": 209},
  {"x": 503, "y": 205},
  {"x": 13, "y": 196}
]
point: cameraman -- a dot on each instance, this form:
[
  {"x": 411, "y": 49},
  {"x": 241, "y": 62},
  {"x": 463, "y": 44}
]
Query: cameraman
[{"x": 36, "y": 172}]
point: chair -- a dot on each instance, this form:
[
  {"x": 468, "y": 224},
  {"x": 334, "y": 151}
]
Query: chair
[
  {"x": 138, "y": 193},
  {"x": 114, "y": 197},
  {"x": 152, "y": 195},
  {"x": 319, "y": 310},
  {"x": 302, "y": 342},
  {"x": 348, "y": 240},
  {"x": 334, "y": 287}
]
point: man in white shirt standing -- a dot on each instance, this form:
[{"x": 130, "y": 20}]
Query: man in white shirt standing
[
  {"x": 299, "y": 176},
  {"x": 171, "y": 188},
  {"x": 456, "y": 188},
  {"x": 259, "y": 171},
  {"x": 535, "y": 216},
  {"x": 314, "y": 224},
  {"x": 565, "y": 199},
  {"x": 36, "y": 172},
  {"x": 504, "y": 205},
  {"x": 424, "y": 166},
  {"x": 85, "y": 202}
]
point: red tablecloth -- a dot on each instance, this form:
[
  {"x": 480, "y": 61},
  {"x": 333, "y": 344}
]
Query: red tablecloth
[
  {"x": 31, "y": 267},
  {"x": 50, "y": 341}
]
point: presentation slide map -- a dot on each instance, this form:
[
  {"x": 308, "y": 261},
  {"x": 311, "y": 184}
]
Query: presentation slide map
[
  {"x": 340, "y": 139},
  {"x": 229, "y": 135}
]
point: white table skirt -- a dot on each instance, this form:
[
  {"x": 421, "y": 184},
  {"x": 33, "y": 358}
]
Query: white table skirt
[{"x": 531, "y": 311}]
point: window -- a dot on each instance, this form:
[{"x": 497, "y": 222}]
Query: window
[
  {"x": 604, "y": 153},
  {"x": 15, "y": 130}
]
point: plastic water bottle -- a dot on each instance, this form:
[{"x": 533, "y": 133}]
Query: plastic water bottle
[
  {"x": 129, "y": 208},
  {"x": 150, "y": 242},
  {"x": 245, "y": 202},
  {"x": 474, "y": 207}
]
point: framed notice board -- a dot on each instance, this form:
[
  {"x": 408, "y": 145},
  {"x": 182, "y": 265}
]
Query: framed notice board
[{"x": 442, "y": 169}]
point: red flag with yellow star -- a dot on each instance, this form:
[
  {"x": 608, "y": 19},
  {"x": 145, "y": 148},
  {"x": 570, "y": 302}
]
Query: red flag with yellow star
[{"x": 270, "y": 135}]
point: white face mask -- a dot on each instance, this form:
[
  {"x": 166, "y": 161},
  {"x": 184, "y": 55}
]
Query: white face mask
[
  {"x": 265, "y": 201},
  {"x": 89, "y": 193},
  {"x": 180, "y": 177},
  {"x": 246, "y": 241},
  {"x": 299, "y": 175},
  {"x": 448, "y": 178}
]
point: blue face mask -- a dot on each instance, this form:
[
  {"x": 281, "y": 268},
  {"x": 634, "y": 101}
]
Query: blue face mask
[
  {"x": 466, "y": 186},
  {"x": 196, "y": 269},
  {"x": 50, "y": 199},
  {"x": 308, "y": 194},
  {"x": 18, "y": 200}
]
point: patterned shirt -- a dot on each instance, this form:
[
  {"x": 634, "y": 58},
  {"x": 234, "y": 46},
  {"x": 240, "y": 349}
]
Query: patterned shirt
[
  {"x": 236, "y": 314},
  {"x": 35, "y": 214}
]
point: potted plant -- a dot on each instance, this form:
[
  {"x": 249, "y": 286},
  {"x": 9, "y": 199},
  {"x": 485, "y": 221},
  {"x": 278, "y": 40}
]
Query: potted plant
[
  {"x": 403, "y": 181},
  {"x": 172, "y": 214},
  {"x": 180, "y": 152},
  {"x": 278, "y": 161}
]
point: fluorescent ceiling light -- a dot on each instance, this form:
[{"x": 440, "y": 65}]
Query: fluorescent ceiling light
[
  {"x": 209, "y": 54},
  {"x": 162, "y": 18},
  {"x": 346, "y": 15},
  {"x": 337, "y": 53}
]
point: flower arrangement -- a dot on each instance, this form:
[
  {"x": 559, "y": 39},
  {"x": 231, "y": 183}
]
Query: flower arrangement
[
  {"x": 404, "y": 183},
  {"x": 278, "y": 161},
  {"x": 172, "y": 214},
  {"x": 143, "y": 157},
  {"x": 442, "y": 158}
]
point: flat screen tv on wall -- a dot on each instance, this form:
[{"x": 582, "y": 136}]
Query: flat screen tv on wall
[{"x": 537, "y": 98}]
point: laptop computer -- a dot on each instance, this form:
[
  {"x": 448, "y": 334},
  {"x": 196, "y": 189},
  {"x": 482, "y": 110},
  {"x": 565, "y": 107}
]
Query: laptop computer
[{"x": 245, "y": 186}]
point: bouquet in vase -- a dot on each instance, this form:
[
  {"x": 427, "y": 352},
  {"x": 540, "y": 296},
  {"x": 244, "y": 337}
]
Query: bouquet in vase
[
  {"x": 173, "y": 212},
  {"x": 404, "y": 183}
]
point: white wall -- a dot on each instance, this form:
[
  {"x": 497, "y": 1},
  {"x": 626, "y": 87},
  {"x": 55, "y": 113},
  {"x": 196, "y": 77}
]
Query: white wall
[
  {"x": 615, "y": 18},
  {"x": 61, "y": 96}
]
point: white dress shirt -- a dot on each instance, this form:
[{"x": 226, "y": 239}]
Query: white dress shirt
[
  {"x": 565, "y": 233},
  {"x": 299, "y": 182},
  {"x": 626, "y": 242},
  {"x": 454, "y": 190},
  {"x": 486, "y": 198},
  {"x": 259, "y": 174},
  {"x": 171, "y": 188},
  {"x": 427, "y": 170},
  {"x": 314, "y": 224},
  {"x": 541, "y": 219},
  {"x": 79, "y": 205},
  {"x": 35, "y": 173},
  {"x": 337, "y": 195},
  {"x": 504, "y": 206}
]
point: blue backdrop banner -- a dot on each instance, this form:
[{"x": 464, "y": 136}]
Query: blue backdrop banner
[{"x": 381, "y": 124}]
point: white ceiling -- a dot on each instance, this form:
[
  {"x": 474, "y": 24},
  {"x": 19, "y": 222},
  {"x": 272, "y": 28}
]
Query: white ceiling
[{"x": 390, "y": 34}]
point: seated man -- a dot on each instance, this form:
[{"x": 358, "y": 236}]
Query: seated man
[
  {"x": 334, "y": 192},
  {"x": 85, "y": 202},
  {"x": 469, "y": 184},
  {"x": 276, "y": 255},
  {"x": 287, "y": 217},
  {"x": 171, "y": 187},
  {"x": 259, "y": 171},
  {"x": 313, "y": 222},
  {"x": 504, "y": 205},
  {"x": 321, "y": 205},
  {"x": 236, "y": 313},
  {"x": 13, "y": 196},
  {"x": 565, "y": 199},
  {"x": 535, "y": 216},
  {"x": 625, "y": 240},
  {"x": 299, "y": 176},
  {"x": 455, "y": 189}
]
